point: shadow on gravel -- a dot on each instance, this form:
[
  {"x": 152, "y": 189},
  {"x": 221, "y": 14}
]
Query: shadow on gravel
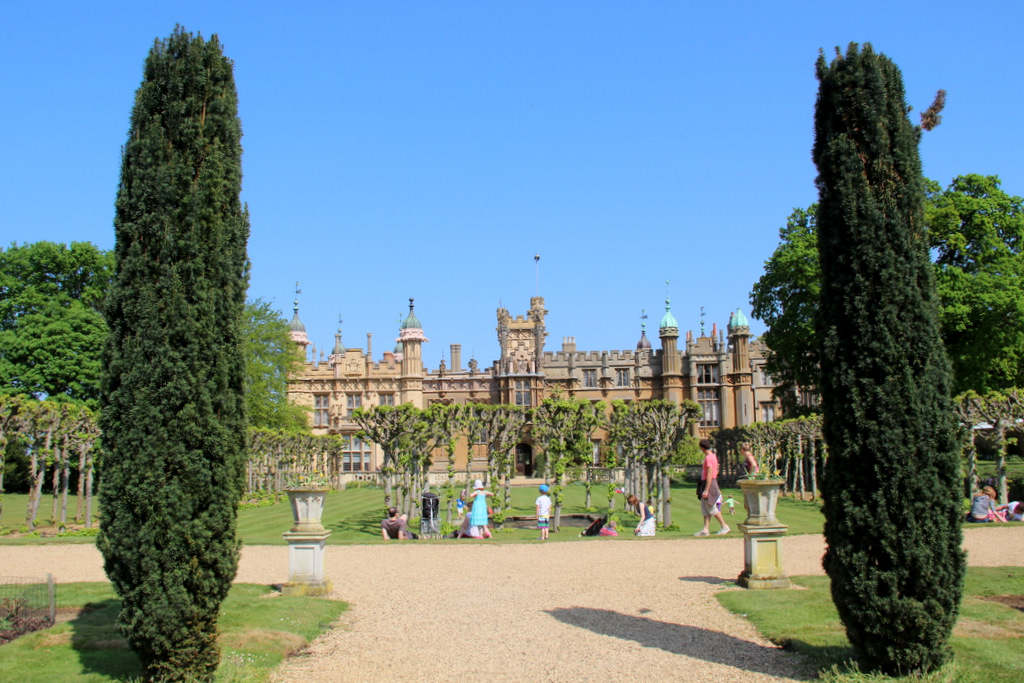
[
  {"x": 699, "y": 643},
  {"x": 712, "y": 580}
]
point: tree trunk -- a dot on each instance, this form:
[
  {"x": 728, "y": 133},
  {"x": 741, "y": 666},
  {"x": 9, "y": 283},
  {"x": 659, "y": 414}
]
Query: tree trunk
[
  {"x": 88, "y": 489},
  {"x": 666, "y": 488}
]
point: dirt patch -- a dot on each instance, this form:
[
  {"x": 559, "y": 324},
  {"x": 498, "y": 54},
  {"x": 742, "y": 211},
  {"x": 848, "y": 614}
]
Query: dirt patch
[
  {"x": 1014, "y": 601},
  {"x": 282, "y": 641}
]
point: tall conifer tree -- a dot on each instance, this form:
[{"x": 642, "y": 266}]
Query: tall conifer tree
[
  {"x": 891, "y": 484},
  {"x": 173, "y": 414}
]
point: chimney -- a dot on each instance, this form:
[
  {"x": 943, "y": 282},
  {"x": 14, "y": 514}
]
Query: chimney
[
  {"x": 456, "y": 357},
  {"x": 569, "y": 344}
]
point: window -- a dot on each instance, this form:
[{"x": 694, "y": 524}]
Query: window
[
  {"x": 387, "y": 399},
  {"x": 767, "y": 412},
  {"x": 622, "y": 377},
  {"x": 708, "y": 400},
  {"x": 766, "y": 379},
  {"x": 522, "y": 393},
  {"x": 321, "y": 410},
  {"x": 353, "y": 401},
  {"x": 355, "y": 454},
  {"x": 707, "y": 373},
  {"x": 590, "y": 378},
  {"x": 595, "y": 453}
]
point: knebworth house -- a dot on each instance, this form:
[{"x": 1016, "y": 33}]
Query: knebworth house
[{"x": 722, "y": 371}]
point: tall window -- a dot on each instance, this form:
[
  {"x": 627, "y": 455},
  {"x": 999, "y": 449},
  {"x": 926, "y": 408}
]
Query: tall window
[
  {"x": 622, "y": 377},
  {"x": 321, "y": 410},
  {"x": 522, "y": 393},
  {"x": 387, "y": 399},
  {"x": 767, "y": 412},
  {"x": 766, "y": 379},
  {"x": 355, "y": 454},
  {"x": 590, "y": 378},
  {"x": 707, "y": 373},
  {"x": 708, "y": 400},
  {"x": 353, "y": 401}
]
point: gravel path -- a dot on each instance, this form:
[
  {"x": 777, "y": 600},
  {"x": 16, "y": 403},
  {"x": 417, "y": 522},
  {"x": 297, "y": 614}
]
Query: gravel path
[{"x": 595, "y": 610}]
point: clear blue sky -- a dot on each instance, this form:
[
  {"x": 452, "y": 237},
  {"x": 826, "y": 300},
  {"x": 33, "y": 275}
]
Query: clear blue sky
[{"x": 430, "y": 149}]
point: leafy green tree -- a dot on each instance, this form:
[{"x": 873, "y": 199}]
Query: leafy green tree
[
  {"x": 51, "y": 319},
  {"x": 977, "y": 236},
  {"x": 173, "y": 413},
  {"x": 975, "y": 233},
  {"x": 786, "y": 299},
  {"x": 891, "y": 485},
  {"x": 390, "y": 427},
  {"x": 501, "y": 428},
  {"x": 270, "y": 357},
  {"x": 563, "y": 427}
]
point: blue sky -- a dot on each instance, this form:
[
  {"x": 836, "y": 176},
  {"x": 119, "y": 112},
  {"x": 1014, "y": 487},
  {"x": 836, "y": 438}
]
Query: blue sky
[{"x": 431, "y": 149}]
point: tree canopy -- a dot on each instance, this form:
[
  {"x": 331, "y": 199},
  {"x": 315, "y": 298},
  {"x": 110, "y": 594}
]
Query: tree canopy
[
  {"x": 51, "y": 319},
  {"x": 270, "y": 357},
  {"x": 975, "y": 234}
]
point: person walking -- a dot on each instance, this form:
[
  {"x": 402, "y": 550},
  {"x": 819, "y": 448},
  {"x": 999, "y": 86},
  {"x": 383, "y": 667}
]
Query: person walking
[{"x": 709, "y": 493}]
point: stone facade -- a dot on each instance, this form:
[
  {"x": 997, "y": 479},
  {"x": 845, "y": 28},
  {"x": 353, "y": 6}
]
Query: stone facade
[{"x": 723, "y": 372}]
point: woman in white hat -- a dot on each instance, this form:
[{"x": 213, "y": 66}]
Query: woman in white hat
[{"x": 478, "y": 514}]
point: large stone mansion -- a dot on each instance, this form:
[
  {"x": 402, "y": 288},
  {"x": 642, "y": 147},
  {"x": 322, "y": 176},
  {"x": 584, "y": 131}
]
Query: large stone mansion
[{"x": 723, "y": 372}]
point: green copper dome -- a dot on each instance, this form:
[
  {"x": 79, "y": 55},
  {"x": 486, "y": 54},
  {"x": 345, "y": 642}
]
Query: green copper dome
[
  {"x": 739, "y": 320},
  {"x": 668, "y": 320},
  {"x": 412, "y": 322}
]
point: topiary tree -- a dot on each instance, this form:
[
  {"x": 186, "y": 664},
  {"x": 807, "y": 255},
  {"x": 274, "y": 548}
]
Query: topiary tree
[
  {"x": 173, "y": 418},
  {"x": 891, "y": 484}
]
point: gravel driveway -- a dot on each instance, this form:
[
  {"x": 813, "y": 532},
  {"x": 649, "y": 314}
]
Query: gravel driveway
[{"x": 599, "y": 610}]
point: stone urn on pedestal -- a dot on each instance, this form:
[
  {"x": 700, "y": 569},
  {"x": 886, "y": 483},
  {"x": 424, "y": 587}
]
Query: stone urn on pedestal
[
  {"x": 306, "y": 541},
  {"x": 762, "y": 535}
]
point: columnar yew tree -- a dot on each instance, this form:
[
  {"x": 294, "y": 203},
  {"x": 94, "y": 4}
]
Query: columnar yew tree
[
  {"x": 891, "y": 485},
  {"x": 173, "y": 416}
]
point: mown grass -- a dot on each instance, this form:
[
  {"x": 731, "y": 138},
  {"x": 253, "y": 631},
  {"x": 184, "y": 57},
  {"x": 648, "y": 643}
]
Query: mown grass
[
  {"x": 353, "y": 517},
  {"x": 986, "y": 641},
  {"x": 258, "y": 629}
]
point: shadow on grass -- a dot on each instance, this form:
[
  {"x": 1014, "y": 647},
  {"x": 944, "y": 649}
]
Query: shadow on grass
[
  {"x": 692, "y": 641},
  {"x": 364, "y": 524},
  {"x": 99, "y": 644},
  {"x": 822, "y": 657}
]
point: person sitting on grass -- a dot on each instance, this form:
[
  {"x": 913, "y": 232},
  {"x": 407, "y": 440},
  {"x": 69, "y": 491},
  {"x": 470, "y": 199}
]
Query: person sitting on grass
[
  {"x": 395, "y": 526},
  {"x": 1014, "y": 511},
  {"x": 983, "y": 506}
]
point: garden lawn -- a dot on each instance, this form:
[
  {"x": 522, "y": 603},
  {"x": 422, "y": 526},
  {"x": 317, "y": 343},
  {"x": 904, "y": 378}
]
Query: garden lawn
[
  {"x": 354, "y": 515},
  {"x": 258, "y": 629},
  {"x": 986, "y": 641}
]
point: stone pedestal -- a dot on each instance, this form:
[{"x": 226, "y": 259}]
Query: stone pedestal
[
  {"x": 306, "y": 564},
  {"x": 762, "y": 536},
  {"x": 306, "y": 541},
  {"x": 762, "y": 557}
]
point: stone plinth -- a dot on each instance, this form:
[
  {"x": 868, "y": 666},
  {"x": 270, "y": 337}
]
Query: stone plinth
[
  {"x": 306, "y": 564},
  {"x": 762, "y": 556}
]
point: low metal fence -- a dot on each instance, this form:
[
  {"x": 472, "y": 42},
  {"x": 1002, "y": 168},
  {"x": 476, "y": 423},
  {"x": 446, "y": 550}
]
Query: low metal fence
[{"x": 26, "y": 605}]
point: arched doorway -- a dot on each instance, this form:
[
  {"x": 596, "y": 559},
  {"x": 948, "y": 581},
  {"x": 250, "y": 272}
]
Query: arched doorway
[{"x": 524, "y": 460}]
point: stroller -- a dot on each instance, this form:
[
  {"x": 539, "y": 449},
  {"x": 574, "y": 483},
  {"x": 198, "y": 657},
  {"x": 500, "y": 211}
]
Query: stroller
[{"x": 595, "y": 527}]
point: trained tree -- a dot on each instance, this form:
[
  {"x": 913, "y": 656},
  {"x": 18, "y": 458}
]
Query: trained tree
[
  {"x": 173, "y": 418},
  {"x": 891, "y": 485}
]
